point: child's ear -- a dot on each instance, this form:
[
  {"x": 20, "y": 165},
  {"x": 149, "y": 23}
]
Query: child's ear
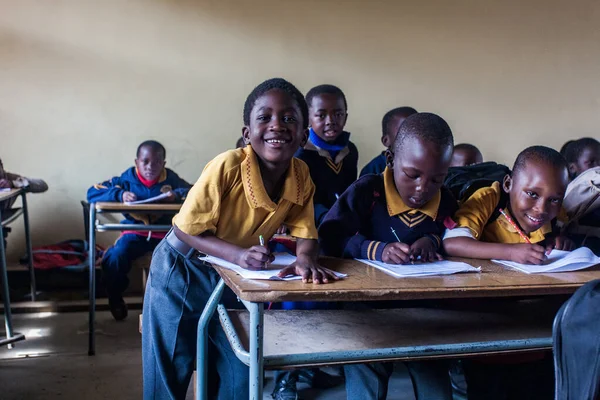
[
  {"x": 507, "y": 183},
  {"x": 246, "y": 134},
  {"x": 389, "y": 158},
  {"x": 385, "y": 141},
  {"x": 304, "y": 138}
]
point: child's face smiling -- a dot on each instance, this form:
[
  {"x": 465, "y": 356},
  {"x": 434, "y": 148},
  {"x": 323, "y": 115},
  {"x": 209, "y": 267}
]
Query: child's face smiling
[
  {"x": 536, "y": 192},
  {"x": 420, "y": 167},
  {"x": 150, "y": 163},
  {"x": 589, "y": 158},
  {"x": 276, "y": 128},
  {"x": 327, "y": 115}
]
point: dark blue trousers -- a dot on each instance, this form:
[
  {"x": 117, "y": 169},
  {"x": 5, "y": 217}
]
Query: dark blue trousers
[
  {"x": 176, "y": 293},
  {"x": 118, "y": 259}
]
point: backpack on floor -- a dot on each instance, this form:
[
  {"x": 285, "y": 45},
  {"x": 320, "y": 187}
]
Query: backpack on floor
[
  {"x": 576, "y": 342},
  {"x": 464, "y": 181},
  {"x": 70, "y": 254},
  {"x": 582, "y": 202}
]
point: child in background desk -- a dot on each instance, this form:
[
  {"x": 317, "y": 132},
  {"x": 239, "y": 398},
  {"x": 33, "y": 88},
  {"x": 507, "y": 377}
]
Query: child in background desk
[
  {"x": 532, "y": 197},
  {"x": 149, "y": 178},
  {"x": 409, "y": 198},
  {"x": 241, "y": 194},
  {"x": 581, "y": 155},
  {"x": 466, "y": 154},
  {"x": 390, "y": 125},
  {"x": 10, "y": 180},
  {"x": 330, "y": 155}
]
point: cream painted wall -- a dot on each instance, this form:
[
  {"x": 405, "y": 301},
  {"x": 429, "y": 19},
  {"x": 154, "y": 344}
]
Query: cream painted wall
[{"x": 82, "y": 82}]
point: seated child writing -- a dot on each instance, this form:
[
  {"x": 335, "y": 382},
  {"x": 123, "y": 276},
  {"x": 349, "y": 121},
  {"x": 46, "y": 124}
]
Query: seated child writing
[
  {"x": 396, "y": 217},
  {"x": 466, "y": 154},
  {"x": 389, "y": 128},
  {"x": 532, "y": 196},
  {"x": 9, "y": 180},
  {"x": 242, "y": 194},
  {"x": 147, "y": 179}
]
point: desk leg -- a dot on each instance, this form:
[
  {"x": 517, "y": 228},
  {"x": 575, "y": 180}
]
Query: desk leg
[
  {"x": 92, "y": 289},
  {"x": 5, "y": 292},
  {"x": 32, "y": 282},
  {"x": 202, "y": 340},
  {"x": 256, "y": 349}
]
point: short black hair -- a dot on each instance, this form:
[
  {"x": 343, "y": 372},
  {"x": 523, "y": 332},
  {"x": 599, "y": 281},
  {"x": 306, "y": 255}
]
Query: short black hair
[
  {"x": 467, "y": 147},
  {"x": 325, "y": 89},
  {"x": 398, "y": 111},
  {"x": 563, "y": 149},
  {"x": 427, "y": 126},
  {"x": 279, "y": 84},
  {"x": 542, "y": 154},
  {"x": 573, "y": 150},
  {"x": 240, "y": 143},
  {"x": 154, "y": 145}
]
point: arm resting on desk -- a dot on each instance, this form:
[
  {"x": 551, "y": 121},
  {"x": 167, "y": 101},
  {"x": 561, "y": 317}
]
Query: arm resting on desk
[
  {"x": 471, "y": 248},
  {"x": 111, "y": 190},
  {"x": 33, "y": 185},
  {"x": 306, "y": 265}
]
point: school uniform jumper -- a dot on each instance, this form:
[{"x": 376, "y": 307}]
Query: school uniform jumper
[
  {"x": 131, "y": 245},
  {"x": 359, "y": 226},
  {"x": 333, "y": 167},
  {"x": 375, "y": 166},
  {"x": 229, "y": 201}
]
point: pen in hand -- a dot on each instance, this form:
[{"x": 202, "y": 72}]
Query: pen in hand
[{"x": 261, "y": 240}]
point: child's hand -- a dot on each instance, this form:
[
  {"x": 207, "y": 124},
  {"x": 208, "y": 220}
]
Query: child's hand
[
  {"x": 5, "y": 183},
  {"x": 129, "y": 196},
  {"x": 256, "y": 257},
  {"x": 396, "y": 253},
  {"x": 525, "y": 253},
  {"x": 309, "y": 270},
  {"x": 170, "y": 198},
  {"x": 282, "y": 230},
  {"x": 560, "y": 243},
  {"x": 424, "y": 248}
]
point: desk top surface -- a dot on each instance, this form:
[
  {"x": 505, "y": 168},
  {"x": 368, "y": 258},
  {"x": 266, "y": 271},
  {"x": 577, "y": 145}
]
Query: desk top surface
[
  {"x": 9, "y": 194},
  {"x": 367, "y": 283},
  {"x": 150, "y": 207}
]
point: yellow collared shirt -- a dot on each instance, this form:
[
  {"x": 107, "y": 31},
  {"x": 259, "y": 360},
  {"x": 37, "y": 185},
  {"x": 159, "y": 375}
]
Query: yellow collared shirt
[
  {"x": 230, "y": 201},
  {"x": 475, "y": 212}
]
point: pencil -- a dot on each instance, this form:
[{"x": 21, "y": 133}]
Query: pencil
[
  {"x": 395, "y": 235},
  {"x": 514, "y": 225},
  {"x": 261, "y": 239}
]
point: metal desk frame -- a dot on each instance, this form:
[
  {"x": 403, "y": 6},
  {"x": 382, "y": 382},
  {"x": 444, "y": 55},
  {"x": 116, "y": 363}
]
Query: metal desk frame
[
  {"x": 256, "y": 361},
  {"x": 11, "y": 336},
  {"x": 96, "y": 226}
]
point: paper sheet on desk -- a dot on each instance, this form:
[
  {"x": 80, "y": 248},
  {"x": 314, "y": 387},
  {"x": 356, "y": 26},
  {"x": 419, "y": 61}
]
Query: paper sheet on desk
[
  {"x": 558, "y": 261},
  {"x": 281, "y": 261},
  {"x": 150, "y": 200},
  {"x": 443, "y": 267},
  {"x": 5, "y": 189}
]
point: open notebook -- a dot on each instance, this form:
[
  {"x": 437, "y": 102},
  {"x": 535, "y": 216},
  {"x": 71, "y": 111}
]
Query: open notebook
[
  {"x": 558, "y": 261},
  {"x": 150, "y": 200},
  {"x": 443, "y": 267},
  {"x": 282, "y": 260}
]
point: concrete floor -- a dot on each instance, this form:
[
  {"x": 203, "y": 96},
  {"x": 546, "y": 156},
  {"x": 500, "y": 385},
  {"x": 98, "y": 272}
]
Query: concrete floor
[{"x": 53, "y": 362}]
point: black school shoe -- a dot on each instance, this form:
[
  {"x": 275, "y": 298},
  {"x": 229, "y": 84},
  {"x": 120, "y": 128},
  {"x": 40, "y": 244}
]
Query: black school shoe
[
  {"x": 285, "y": 388},
  {"x": 319, "y": 379},
  {"x": 118, "y": 308}
]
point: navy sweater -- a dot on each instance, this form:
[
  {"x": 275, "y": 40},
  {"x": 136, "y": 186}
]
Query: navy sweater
[
  {"x": 375, "y": 166},
  {"x": 329, "y": 178},
  {"x": 358, "y": 225}
]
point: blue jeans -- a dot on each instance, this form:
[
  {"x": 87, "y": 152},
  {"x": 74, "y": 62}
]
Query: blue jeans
[
  {"x": 176, "y": 293},
  {"x": 118, "y": 259},
  {"x": 430, "y": 380}
]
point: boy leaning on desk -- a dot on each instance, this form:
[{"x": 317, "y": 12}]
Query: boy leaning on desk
[{"x": 146, "y": 180}]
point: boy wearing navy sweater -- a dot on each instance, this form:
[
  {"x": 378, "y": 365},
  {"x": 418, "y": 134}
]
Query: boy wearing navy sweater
[
  {"x": 149, "y": 178},
  {"x": 389, "y": 128},
  {"x": 407, "y": 200}
]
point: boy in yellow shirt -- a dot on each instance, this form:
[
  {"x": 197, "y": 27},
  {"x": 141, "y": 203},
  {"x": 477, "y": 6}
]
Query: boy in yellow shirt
[{"x": 241, "y": 195}]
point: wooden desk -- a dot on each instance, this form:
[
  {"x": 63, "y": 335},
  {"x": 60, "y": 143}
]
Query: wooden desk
[
  {"x": 96, "y": 226},
  {"x": 11, "y": 336},
  {"x": 516, "y": 332}
]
